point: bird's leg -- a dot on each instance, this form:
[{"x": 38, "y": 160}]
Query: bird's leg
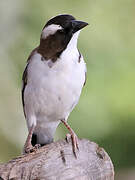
[
  {"x": 73, "y": 137},
  {"x": 28, "y": 146}
]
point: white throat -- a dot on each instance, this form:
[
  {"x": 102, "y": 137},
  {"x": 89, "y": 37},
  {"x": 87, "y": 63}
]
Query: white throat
[
  {"x": 71, "y": 51},
  {"x": 73, "y": 42}
]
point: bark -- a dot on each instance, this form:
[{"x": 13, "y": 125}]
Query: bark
[{"x": 56, "y": 161}]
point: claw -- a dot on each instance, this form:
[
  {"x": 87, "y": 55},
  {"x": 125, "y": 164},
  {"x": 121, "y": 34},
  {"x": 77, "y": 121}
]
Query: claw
[
  {"x": 30, "y": 148},
  {"x": 37, "y": 146},
  {"x": 74, "y": 143},
  {"x": 68, "y": 136}
]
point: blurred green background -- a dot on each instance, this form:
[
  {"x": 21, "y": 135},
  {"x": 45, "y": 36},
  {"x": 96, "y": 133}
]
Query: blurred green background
[{"x": 106, "y": 110}]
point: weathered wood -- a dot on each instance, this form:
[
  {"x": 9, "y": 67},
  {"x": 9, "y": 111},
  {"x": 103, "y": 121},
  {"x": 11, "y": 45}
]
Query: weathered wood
[{"x": 56, "y": 161}]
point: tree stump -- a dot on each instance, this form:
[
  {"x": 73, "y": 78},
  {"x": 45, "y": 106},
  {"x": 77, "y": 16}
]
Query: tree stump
[{"x": 56, "y": 161}]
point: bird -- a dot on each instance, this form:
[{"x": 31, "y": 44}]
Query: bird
[{"x": 52, "y": 81}]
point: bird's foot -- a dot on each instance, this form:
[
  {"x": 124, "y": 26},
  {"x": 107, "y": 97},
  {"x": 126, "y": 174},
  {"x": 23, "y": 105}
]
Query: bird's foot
[
  {"x": 73, "y": 137},
  {"x": 29, "y": 149},
  {"x": 75, "y": 143}
]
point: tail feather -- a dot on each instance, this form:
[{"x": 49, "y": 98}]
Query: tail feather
[{"x": 34, "y": 139}]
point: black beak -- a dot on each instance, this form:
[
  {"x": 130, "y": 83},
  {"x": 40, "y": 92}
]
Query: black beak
[{"x": 77, "y": 25}]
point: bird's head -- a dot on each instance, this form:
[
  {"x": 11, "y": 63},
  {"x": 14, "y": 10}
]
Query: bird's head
[{"x": 57, "y": 33}]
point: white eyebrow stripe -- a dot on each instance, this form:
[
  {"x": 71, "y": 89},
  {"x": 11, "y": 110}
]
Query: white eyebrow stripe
[{"x": 49, "y": 30}]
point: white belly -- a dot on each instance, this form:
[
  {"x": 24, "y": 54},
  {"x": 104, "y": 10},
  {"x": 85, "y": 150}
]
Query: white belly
[{"x": 52, "y": 92}]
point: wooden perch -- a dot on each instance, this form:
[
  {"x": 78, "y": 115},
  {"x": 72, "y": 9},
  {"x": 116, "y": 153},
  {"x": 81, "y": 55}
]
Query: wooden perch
[{"x": 56, "y": 161}]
